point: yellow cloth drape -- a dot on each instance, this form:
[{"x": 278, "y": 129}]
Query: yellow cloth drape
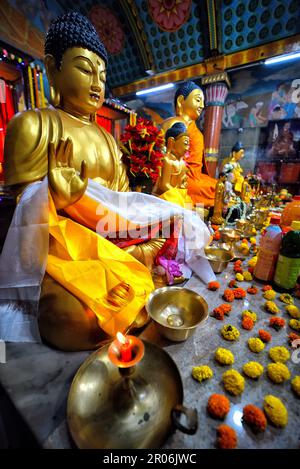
[
  {"x": 89, "y": 266},
  {"x": 179, "y": 197}
]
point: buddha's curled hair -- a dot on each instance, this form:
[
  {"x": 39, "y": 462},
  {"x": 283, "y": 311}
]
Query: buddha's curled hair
[
  {"x": 177, "y": 129},
  {"x": 72, "y": 30},
  {"x": 185, "y": 89}
]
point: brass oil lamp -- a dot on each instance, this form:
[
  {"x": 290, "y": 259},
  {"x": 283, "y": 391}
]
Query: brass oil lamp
[{"x": 127, "y": 395}]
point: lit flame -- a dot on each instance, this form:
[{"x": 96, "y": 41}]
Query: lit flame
[{"x": 121, "y": 338}]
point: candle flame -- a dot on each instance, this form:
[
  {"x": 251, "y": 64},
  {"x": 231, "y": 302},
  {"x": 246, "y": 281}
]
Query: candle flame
[{"x": 121, "y": 338}]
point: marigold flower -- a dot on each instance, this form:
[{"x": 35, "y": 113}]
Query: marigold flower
[
  {"x": 238, "y": 262},
  {"x": 226, "y": 437},
  {"x": 233, "y": 381},
  {"x": 253, "y": 240},
  {"x": 245, "y": 241},
  {"x": 252, "y": 290},
  {"x": 216, "y": 236},
  {"x": 267, "y": 287},
  {"x": 213, "y": 286},
  {"x": 293, "y": 311},
  {"x": 224, "y": 356},
  {"x": 295, "y": 324},
  {"x": 247, "y": 276},
  {"x": 279, "y": 354},
  {"x": 252, "y": 262},
  {"x": 218, "y": 406},
  {"x": 251, "y": 314},
  {"x": 278, "y": 372},
  {"x": 271, "y": 307},
  {"x": 243, "y": 248},
  {"x": 264, "y": 335},
  {"x": 232, "y": 284},
  {"x": 277, "y": 323},
  {"x": 255, "y": 418},
  {"x": 215, "y": 227},
  {"x": 239, "y": 293},
  {"x": 293, "y": 336},
  {"x": 269, "y": 295},
  {"x": 221, "y": 310},
  {"x": 296, "y": 385},
  {"x": 255, "y": 344},
  {"x": 228, "y": 295},
  {"x": 230, "y": 332},
  {"x": 275, "y": 411},
  {"x": 286, "y": 298},
  {"x": 239, "y": 277},
  {"x": 201, "y": 373},
  {"x": 247, "y": 323},
  {"x": 253, "y": 369},
  {"x": 238, "y": 269}
]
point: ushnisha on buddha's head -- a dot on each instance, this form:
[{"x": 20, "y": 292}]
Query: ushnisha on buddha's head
[
  {"x": 238, "y": 151},
  {"x": 189, "y": 100},
  {"x": 177, "y": 140},
  {"x": 75, "y": 60}
]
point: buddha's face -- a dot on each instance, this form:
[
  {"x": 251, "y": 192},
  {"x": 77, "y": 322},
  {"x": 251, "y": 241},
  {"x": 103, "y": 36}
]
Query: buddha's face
[
  {"x": 193, "y": 105},
  {"x": 239, "y": 154},
  {"x": 180, "y": 146},
  {"x": 81, "y": 81}
]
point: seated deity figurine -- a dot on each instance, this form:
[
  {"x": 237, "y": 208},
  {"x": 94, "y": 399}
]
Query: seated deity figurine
[
  {"x": 172, "y": 183},
  {"x": 217, "y": 218},
  {"x": 189, "y": 103},
  {"x": 69, "y": 181},
  {"x": 236, "y": 154}
]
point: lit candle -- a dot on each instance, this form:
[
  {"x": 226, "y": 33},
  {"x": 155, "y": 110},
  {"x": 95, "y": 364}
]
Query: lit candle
[{"x": 125, "y": 348}]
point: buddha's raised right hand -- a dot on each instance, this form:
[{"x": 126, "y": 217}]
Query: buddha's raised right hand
[{"x": 65, "y": 184}]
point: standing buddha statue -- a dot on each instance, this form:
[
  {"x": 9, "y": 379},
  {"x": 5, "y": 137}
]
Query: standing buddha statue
[{"x": 237, "y": 153}]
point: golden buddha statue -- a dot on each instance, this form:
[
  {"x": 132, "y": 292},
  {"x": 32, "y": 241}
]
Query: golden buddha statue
[
  {"x": 189, "y": 103},
  {"x": 237, "y": 153},
  {"x": 172, "y": 183},
  {"x": 77, "y": 149},
  {"x": 217, "y": 218}
]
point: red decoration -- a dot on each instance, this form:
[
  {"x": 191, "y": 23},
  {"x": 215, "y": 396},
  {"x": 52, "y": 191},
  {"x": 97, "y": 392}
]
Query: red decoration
[
  {"x": 170, "y": 15},
  {"x": 109, "y": 28}
]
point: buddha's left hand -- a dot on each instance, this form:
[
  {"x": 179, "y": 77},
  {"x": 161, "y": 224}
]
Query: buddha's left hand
[{"x": 65, "y": 184}]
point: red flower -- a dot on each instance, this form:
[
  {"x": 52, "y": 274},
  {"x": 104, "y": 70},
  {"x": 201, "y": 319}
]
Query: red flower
[
  {"x": 233, "y": 284},
  {"x": 264, "y": 335},
  {"x": 277, "y": 323},
  {"x": 247, "y": 323},
  {"x": 239, "y": 293},
  {"x": 227, "y": 438},
  {"x": 252, "y": 290},
  {"x": 267, "y": 287},
  {"x": 255, "y": 418},
  {"x": 213, "y": 286},
  {"x": 228, "y": 295}
]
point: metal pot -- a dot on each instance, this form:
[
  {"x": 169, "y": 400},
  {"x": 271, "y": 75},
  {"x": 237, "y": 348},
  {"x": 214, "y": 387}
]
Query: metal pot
[
  {"x": 218, "y": 258},
  {"x": 113, "y": 408}
]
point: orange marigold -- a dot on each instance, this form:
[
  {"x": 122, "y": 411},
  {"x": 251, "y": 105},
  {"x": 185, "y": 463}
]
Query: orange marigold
[
  {"x": 267, "y": 287},
  {"x": 232, "y": 284},
  {"x": 252, "y": 290},
  {"x": 293, "y": 336},
  {"x": 213, "y": 286},
  {"x": 221, "y": 310},
  {"x": 238, "y": 262},
  {"x": 216, "y": 236},
  {"x": 238, "y": 269},
  {"x": 218, "y": 406},
  {"x": 228, "y": 295},
  {"x": 277, "y": 323},
  {"x": 247, "y": 323},
  {"x": 227, "y": 438},
  {"x": 264, "y": 335},
  {"x": 255, "y": 418},
  {"x": 239, "y": 293}
]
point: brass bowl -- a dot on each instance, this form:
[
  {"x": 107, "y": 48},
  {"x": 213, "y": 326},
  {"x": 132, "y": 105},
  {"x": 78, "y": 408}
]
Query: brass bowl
[
  {"x": 109, "y": 408},
  {"x": 241, "y": 225},
  {"x": 176, "y": 312},
  {"x": 218, "y": 258},
  {"x": 229, "y": 235}
]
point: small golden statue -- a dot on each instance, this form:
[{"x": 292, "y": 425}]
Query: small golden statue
[
  {"x": 237, "y": 153},
  {"x": 217, "y": 218}
]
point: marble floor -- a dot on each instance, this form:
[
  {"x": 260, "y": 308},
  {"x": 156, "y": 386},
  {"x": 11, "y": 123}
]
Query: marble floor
[{"x": 37, "y": 379}]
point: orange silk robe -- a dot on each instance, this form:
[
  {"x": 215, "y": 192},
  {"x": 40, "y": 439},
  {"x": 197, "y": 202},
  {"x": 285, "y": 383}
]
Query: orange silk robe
[{"x": 201, "y": 187}]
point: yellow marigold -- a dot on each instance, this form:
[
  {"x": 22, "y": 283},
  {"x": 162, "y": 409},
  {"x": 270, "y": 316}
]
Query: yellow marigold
[
  {"x": 253, "y": 240},
  {"x": 275, "y": 411},
  {"x": 253, "y": 231},
  {"x": 233, "y": 382},
  {"x": 269, "y": 295},
  {"x": 253, "y": 369},
  {"x": 279, "y": 354},
  {"x": 296, "y": 385},
  {"x": 247, "y": 276},
  {"x": 250, "y": 314},
  {"x": 244, "y": 249},
  {"x": 255, "y": 344},
  {"x": 271, "y": 307},
  {"x": 239, "y": 277},
  {"x": 224, "y": 356},
  {"x": 252, "y": 262},
  {"x": 286, "y": 298},
  {"x": 201, "y": 373},
  {"x": 293, "y": 311},
  {"x": 278, "y": 372},
  {"x": 295, "y": 324},
  {"x": 230, "y": 332}
]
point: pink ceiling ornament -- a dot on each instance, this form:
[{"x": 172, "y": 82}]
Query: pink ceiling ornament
[
  {"x": 109, "y": 29},
  {"x": 170, "y": 15}
]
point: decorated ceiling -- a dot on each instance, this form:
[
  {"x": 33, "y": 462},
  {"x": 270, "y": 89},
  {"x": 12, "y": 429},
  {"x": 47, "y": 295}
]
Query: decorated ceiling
[{"x": 146, "y": 37}]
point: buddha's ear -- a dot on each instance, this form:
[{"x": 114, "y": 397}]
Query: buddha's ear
[
  {"x": 50, "y": 67},
  {"x": 179, "y": 103},
  {"x": 170, "y": 144}
]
